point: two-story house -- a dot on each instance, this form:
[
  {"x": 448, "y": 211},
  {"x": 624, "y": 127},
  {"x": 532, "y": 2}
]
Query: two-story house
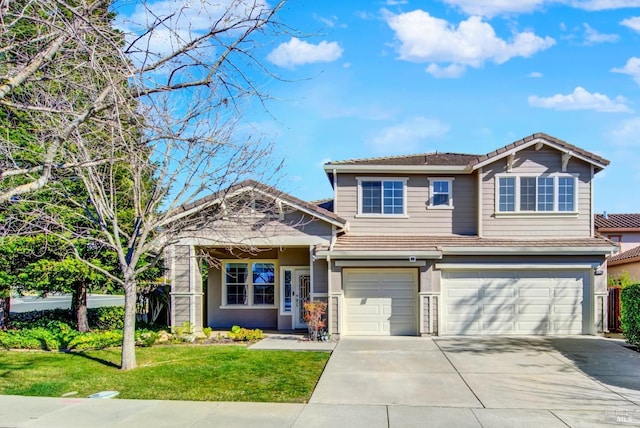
[{"x": 436, "y": 243}]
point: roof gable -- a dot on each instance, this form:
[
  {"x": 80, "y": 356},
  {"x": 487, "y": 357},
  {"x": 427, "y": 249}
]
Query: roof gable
[
  {"x": 254, "y": 186},
  {"x": 544, "y": 139}
]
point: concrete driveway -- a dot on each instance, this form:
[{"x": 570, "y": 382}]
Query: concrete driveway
[{"x": 565, "y": 374}]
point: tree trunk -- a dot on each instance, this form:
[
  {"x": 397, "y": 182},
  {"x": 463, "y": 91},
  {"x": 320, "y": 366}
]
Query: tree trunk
[
  {"x": 128, "y": 338},
  {"x": 79, "y": 307},
  {"x": 5, "y": 308}
]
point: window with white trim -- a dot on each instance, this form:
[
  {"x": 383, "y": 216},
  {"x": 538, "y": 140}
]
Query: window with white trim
[
  {"x": 440, "y": 193},
  {"x": 381, "y": 197},
  {"x": 249, "y": 283},
  {"x": 536, "y": 194}
]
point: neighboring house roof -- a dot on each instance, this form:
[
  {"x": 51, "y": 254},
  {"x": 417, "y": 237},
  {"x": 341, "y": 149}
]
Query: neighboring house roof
[
  {"x": 464, "y": 244},
  {"x": 252, "y": 185},
  {"x": 629, "y": 256},
  {"x": 617, "y": 222},
  {"x": 460, "y": 162}
]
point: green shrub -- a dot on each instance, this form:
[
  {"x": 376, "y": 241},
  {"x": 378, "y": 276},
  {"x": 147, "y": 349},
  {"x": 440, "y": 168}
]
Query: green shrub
[
  {"x": 207, "y": 331},
  {"x": 53, "y": 336},
  {"x": 96, "y": 340},
  {"x": 240, "y": 334},
  {"x": 107, "y": 318},
  {"x": 630, "y": 313}
]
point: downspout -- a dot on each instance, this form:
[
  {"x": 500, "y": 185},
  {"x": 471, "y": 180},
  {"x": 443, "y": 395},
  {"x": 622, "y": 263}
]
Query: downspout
[
  {"x": 335, "y": 190},
  {"x": 312, "y": 258},
  {"x": 480, "y": 232},
  {"x": 591, "y": 219}
]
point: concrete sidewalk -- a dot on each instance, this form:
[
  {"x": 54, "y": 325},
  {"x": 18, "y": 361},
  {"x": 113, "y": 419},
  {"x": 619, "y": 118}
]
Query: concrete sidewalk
[{"x": 26, "y": 412}]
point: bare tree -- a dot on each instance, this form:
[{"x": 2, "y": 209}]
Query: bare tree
[{"x": 147, "y": 119}]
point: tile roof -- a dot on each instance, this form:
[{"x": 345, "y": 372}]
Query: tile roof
[
  {"x": 617, "y": 221},
  {"x": 457, "y": 159},
  {"x": 470, "y": 160},
  {"x": 625, "y": 257},
  {"x": 402, "y": 243}
]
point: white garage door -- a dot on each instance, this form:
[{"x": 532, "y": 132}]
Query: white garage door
[
  {"x": 514, "y": 302},
  {"x": 380, "y": 302}
]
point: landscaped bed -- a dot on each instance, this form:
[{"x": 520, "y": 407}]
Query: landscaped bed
[{"x": 173, "y": 372}]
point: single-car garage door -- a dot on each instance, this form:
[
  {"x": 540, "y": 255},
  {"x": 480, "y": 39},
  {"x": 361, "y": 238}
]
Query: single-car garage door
[
  {"x": 380, "y": 302},
  {"x": 515, "y": 302}
]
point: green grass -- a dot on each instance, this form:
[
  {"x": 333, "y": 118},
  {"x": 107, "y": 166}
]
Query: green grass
[{"x": 201, "y": 373}]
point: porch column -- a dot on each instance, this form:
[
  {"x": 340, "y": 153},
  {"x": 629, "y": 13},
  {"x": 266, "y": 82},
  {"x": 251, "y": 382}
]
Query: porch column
[{"x": 186, "y": 288}]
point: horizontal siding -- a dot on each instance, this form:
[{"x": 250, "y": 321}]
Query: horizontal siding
[
  {"x": 320, "y": 275},
  {"x": 421, "y": 220},
  {"x": 531, "y": 161}
]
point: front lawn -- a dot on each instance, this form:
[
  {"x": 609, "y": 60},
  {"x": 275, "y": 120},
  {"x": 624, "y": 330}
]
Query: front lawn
[{"x": 201, "y": 373}]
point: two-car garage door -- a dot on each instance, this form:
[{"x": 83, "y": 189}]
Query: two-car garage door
[
  {"x": 380, "y": 302},
  {"x": 515, "y": 302}
]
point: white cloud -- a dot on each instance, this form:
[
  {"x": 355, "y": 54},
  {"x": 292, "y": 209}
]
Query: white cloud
[
  {"x": 298, "y": 52},
  {"x": 626, "y": 133},
  {"x": 424, "y": 38},
  {"x": 592, "y": 36},
  {"x": 594, "y": 5},
  {"x": 450, "y": 72},
  {"x": 633, "y": 23},
  {"x": 489, "y": 8},
  {"x": 535, "y": 74},
  {"x": 631, "y": 68},
  {"x": 581, "y": 99},
  {"x": 408, "y": 136}
]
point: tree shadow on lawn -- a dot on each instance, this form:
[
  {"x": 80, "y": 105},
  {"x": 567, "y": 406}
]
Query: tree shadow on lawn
[{"x": 96, "y": 359}]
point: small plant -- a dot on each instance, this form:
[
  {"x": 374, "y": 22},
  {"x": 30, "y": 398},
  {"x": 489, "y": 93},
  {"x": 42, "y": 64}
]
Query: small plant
[
  {"x": 314, "y": 318},
  {"x": 240, "y": 334},
  {"x": 184, "y": 333},
  {"x": 207, "y": 331}
]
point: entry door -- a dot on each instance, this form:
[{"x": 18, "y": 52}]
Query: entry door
[{"x": 300, "y": 291}]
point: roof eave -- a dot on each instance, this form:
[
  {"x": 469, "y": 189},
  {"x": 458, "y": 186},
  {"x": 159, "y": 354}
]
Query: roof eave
[
  {"x": 379, "y": 255},
  {"x": 521, "y": 250},
  {"x": 397, "y": 169}
]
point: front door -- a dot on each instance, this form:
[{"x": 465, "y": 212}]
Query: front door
[{"x": 301, "y": 288}]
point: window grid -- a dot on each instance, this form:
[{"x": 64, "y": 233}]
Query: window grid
[
  {"x": 260, "y": 284},
  {"x": 545, "y": 194},
  {"x": 536, "y": 194},
  {"x": 236, "y": 281},
  {"x": 566, "y": 194},
  {"x": 382, "y": 197},
  {"x": 527, "y": 194},
  {"x": 393, "y": 197},
  {"x": 507, "y": 194}
]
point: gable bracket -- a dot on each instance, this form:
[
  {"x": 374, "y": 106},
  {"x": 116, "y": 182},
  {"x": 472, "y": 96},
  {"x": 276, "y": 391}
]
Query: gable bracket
[
  {"x": 510, "y": 159},
  {"x": 539, "y": 145},
  {"x": 565, "y": 160}
]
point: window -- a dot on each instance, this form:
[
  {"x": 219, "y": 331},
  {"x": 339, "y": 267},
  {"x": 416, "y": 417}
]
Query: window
[
  {"x": 507, "y": 194},
  {"x": 249, "y": 283},
  {"x": 551, "y": 193},
  {"x": 385, "y": 197},
  {"x": 441, "y": 193}
]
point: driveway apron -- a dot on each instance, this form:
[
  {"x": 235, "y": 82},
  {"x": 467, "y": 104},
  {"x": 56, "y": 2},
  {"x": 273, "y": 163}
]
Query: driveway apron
[
  {"x": 571, "y": 374},
  {"x": 408, "y": 371}
]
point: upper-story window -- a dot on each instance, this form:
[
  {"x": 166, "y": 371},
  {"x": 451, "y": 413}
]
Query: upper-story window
[
  {"x": 548, "y": 193},
  {"x": 440, "y": 193},
  {"x": 382, "y": 196}
]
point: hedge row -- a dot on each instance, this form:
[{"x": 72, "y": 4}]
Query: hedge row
[{"x": 630, "y": 313}]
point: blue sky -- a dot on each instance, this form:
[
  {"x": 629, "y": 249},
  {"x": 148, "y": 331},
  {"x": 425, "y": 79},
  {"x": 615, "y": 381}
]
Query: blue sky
[{"x": 379, "y": 78}]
